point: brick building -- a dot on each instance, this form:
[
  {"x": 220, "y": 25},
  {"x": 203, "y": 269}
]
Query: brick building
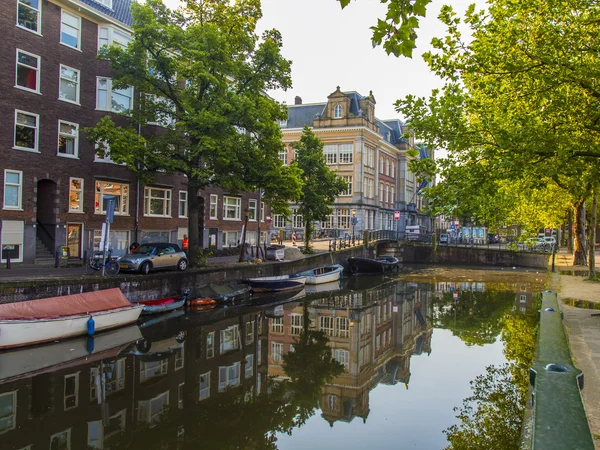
[{"x": 52, "y": 180}]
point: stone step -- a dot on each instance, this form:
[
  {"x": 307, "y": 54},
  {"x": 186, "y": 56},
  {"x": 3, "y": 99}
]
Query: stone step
[{"x": 44, "y": 262}]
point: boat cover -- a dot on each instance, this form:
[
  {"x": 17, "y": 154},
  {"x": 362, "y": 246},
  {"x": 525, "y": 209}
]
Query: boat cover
[{"x": 66, "y": 305}]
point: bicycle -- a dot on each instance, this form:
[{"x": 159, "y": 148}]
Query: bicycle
[{"x": 111, "y": 266}]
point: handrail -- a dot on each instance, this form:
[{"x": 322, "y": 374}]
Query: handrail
[{"x": 47, "y": 237}]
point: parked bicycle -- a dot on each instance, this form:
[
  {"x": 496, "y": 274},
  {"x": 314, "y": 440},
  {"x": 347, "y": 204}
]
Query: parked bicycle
[{"x": 111, "y": 265}]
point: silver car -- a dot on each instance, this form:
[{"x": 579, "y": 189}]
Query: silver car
[{"x": 151, "y": 256}]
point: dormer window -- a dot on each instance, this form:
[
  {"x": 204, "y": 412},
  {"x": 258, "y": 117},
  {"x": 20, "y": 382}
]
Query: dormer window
[{"x": 337, "y": 112}]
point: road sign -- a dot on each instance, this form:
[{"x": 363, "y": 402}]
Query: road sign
[
  {"x": 354, "y": 220},
  {"x": 396, "y": 215},
  {"x": 455, "y": 295},
  {"x": 452, "y": 227}
]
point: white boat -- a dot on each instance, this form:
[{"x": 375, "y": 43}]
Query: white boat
[
  {"x": 322, "y": 288},
  {"x": 322, "y": 275},
  {"x": 49, "y": 319},
  {"x": 27, "y": 362},
  {"x": 280, "y": 283}
]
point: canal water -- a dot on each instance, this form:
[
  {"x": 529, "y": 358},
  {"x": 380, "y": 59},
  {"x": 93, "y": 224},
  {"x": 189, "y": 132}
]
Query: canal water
[{"x": 372, "y": 363}]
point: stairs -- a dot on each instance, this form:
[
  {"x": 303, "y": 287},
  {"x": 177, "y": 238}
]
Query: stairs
[{"x": 43, "y": 257}]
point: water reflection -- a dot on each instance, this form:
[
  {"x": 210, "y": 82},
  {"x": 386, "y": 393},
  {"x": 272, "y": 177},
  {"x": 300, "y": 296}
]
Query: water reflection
[{"x": 240, "y": 377}]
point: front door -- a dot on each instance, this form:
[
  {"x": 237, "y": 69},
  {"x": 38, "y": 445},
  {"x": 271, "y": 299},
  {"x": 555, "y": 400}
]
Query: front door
[{"x": 74, "y": 236}]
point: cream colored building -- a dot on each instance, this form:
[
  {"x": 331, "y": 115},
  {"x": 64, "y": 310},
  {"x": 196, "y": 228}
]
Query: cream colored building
[{"x": 370, "y": 154}]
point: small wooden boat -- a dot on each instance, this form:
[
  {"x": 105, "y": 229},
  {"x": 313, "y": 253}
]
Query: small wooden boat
[
  {"x": 322, "y": 275},
  {"x": 49, "y": 319},
  {"x": 275, "y": 284},
  {"x": 203, "y": 303},
  {"x": 163, "y": 305},
  {"x": 371, "y": 265},
  {"x": 323, "y": 288}
]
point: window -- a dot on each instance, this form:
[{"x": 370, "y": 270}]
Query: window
[
  {"x": 346, "y": 153},
  {"x": 69, "y": 84},
  {"x": 277, "y": 325},
  {"x": 342, "y": 326},
  {"x": 392, "y": 194},
  {"x": 232, "y": 208},
  {"x": 381, "y": 192},
  {"x": 393, "y": 169},
  {"x": 8, "y": 411},
  {"x": 26, "y": 130},
  {"x": 343, "y": 215},
  {"x": 278, "y": 221},
  {"x": 388, "y": 166},
  {"x": 107, "y": 3},
  {"x": 28, "y": 15},
  {"x": 204, "y": 386},
  {"x": 103, "y": 155},
  {"x": 296, "y": 321},
  {"x": 71, "y": 391},
  {"x": 297, "y": 220},
  {"x": 343, "y": 357},
  {"x": 150, "y": 411},
  {"x": 332, "y": 402},
  {"x": 370, "y": 157},
  {"x": 369, "y": 187},
  {"x": 210, "y": 345},
  {"x": 230, "y": 239},
  {"x": 214, "y": 202},
  {"x": 348, "y": 180},
  {"x": 180, "y": 357},
  {"x": 28, "y": 71},
  {"x": 523, "y": 298},
  {"x": 116, "y": 424},
  {"x": 276, "y": 351},
  {"x": 70, "y": 28},
  {"x": 381, "y": 164},
  {"x": 114, "y": 374},
  {"x": 61, "y": 441},
  {"x": 183, "y": 204},
  {"x": 326, "y": 325},
  {"x": 230, "y": 339},
  {"x": 249, "y": 332},
  {"x": 229, "y": 376},
  {"x": 68, "y": 139},
  {"x": 328, "y": 223},
  {"x": 95, "y": 434},
  {"x": 262, "y": 211},
  {"x": 152, "y": 369},
  {"x": 109, "y": 99},
  {"x": 120, "y": 191},
  {"x": 283, "y": 156},
  {"x": 252, "y": 210},
  {"x": 387, "y": 193},
  {"x": 110, "y": 36},
  {"x": 337, "y": 112},
  {"x": 249, "y": 369},
  {"x": 13, "y": 189},
  {"x": 330, "y": 152},
  {"x": 162, "y": 111},
  {"x": 157, "y": 202}
]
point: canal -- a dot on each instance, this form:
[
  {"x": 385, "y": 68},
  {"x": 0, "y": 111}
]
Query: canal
[{"x": 372, "y": 363}]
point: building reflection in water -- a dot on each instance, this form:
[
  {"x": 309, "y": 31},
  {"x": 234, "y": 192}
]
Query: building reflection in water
[{"x": 176, "y": 379}]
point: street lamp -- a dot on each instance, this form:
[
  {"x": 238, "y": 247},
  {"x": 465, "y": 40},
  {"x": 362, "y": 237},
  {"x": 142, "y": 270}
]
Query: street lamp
[
  {"x": 353, "y": 223},
  {"x": 243, "y": 249}
]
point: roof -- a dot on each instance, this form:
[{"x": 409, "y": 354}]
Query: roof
[
  {"x": 301, "y": 115},
  {"x": 120, "y": 11}
]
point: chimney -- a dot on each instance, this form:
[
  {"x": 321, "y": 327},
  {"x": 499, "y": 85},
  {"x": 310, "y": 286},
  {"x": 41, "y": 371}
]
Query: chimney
[{"x": 298, "y": 100}]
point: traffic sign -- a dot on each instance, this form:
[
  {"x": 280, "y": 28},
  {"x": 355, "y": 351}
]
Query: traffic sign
[
  {"x": 456, "y": 222},
  {"x": 455, "y": 295},
  {"x": 396, "y": 215},
  {"x": 354, "y": 220}
]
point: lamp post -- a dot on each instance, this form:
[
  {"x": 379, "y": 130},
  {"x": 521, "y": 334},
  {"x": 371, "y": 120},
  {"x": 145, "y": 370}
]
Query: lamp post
[
  {"x": 243, "y": 249},
  {"x": 354, "y": 220}
]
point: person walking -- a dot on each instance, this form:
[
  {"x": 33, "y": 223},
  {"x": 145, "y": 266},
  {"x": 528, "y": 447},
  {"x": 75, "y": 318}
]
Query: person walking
[{"x": 185, "y": 243}]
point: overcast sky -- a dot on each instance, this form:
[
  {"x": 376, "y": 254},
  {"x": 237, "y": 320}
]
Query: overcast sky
[{"x": 330, "y": 47}]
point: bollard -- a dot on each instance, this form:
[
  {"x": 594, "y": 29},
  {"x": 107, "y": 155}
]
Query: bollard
[
  {"x": 8, "y": 259},
  {"x": 57, "y": 260}
]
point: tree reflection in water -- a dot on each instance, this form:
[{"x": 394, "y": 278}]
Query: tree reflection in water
[{"x": 492, "y": 418}]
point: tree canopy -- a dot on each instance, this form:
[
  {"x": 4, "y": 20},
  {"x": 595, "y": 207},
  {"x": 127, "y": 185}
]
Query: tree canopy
[{"x": 201, "y": 73}]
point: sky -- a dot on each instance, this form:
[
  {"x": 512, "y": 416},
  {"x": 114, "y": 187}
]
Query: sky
[{"x": 330, "y": 47}]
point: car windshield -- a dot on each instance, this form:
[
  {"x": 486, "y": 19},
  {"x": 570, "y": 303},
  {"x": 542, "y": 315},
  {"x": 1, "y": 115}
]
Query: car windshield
[{"x": 145, "y": 249}]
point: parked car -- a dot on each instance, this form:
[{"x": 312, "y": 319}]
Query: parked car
[
  {"x": 538, "y": 244},
  {"x": 493, "y": 238},
  {"x": 152, "y": 256},
  {"x": 444, "y": 238}
]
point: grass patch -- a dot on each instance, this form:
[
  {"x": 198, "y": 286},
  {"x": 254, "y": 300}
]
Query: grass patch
[{"x": 584, "y": 304}]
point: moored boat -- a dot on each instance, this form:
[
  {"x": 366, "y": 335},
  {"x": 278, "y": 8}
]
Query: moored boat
[
  {"x": 163, "y": 305},
  {"x": 274, "y": 284},
  {"x": 225, "y": 292},
  {"x": 372, "y": 265},
  {"x": 322, "y": 275},
  {"x": 36, "y": 321}
]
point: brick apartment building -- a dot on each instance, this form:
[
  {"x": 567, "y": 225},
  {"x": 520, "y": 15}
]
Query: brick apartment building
[{"x": 52, "y": 181}]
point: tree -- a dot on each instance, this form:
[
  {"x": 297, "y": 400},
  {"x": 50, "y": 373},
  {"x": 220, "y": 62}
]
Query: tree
[
  {"x": 518, "y": 101},
  {"x": 397, "y": 30},
  {"x": 320, "y": 186},
  {"x": 202, "y": 72}
]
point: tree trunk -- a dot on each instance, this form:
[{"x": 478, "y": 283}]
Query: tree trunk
[
  {"x": 592, "y": 236},
  {"x": 194, "y": 212},
  {"x": 579, "y": 253},
  {"x": 569, "y": 232},
  {"x": 307, "y": 235}
]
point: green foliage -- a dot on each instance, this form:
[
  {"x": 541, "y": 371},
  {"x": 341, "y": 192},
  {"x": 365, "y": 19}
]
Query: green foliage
[
  {"x": 320, "y": 186},
  {"x": 397, "y": 31},
  {"x": 205, "y": 67}
]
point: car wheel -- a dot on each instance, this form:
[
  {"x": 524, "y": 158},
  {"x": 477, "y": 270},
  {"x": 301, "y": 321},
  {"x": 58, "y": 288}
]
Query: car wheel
[
  {"x": 145, "y": 268},
  {"x": 182, "y": 265},
  {"x": 180, "y": 337}
]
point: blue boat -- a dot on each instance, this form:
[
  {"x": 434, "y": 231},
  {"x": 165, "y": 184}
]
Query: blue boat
[{"x": 276, "y": 284}]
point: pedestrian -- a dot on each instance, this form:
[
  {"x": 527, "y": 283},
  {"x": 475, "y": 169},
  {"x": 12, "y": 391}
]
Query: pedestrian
[
  {"x": 133, "y": 247},
  {"x": 185, "y": 243}
]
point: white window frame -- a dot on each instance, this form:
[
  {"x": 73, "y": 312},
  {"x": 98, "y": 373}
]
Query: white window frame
[
  {"x": 75, "y": 154},
  {"x": 204, "y": 392},
  {"x": 166, "y": 208},
  {"x": 236, "y": 207},
  {"x": 37, "y": 131},
  {"x": 19, "y": 207},
  {"x": 62, "y": 23},
  {"x": 37, "y": 70},
  {"x": 232, "y": 342},
  {"x": 124, "y": 211},
  {"x": 327, "y": 325},
  {"x": 145, "y": 406},
  {"x": 342, "y": 327},
  {"x": 110, "y": 36},
  {"x": 297, "y": 221},
  {"x": 348, "y": 192},
  {"x": 283, "y": 156},
  {"x": 214, "y": 206},
  {"x": 278, "y": 221},
  {"x": 343, "y": 357},
  {"x": 210, "y": 349},
  {"x": 393, "y": 169},
  {"x": 77, "y": 84},
  {"x": 249, "y": 332},
  {"x": 332, "y": 402},
  {"x": 180, "y": 357},
  {"x": 296, "y": 323},
  {"x": 153, "y": 369},
  {"x": 330, "y": 152},
  {"x": 75, "y": 394},
  {"x": 343, "y": 218},
  {"x": 252, "y": 205},
  {"x": 109, "y": 94},
  {"x": 338, "y": 111},
  {"x": 38, "y": 10},
  {"x": 346, "y": 153},
  {"x": 13, "y": 414},
  {"x": 67, "y": 432},
  {"x": 183, "y": 204},
  {"x": 276, "y": 325},
  {"x": 99, "y": 441},
  {"x": 276, "y": 352},
  {"x": 229, "y": 376},
  {"x": 249, "y": 367}
]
